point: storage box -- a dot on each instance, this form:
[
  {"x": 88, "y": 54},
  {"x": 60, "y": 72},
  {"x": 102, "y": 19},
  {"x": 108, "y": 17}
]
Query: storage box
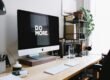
[{"x": 69, "y": 32}]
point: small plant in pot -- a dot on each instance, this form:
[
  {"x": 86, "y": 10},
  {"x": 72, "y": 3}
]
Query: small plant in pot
[{"x": 89, "y": 19}]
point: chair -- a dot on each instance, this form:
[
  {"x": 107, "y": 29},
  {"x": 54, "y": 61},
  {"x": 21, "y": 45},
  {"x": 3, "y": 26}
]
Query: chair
[
  {"x": 105, "y": 73},
  {"x": 103, "y": 68}
]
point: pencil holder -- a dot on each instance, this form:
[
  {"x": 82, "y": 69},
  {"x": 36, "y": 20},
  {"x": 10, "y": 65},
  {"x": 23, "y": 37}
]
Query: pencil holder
[{"x": 2, "y": 66}]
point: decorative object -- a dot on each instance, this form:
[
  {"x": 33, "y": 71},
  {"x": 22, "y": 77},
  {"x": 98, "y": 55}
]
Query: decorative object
[
  {"x": 78, "y": 15},
  {"x": 2, "y": 8}
]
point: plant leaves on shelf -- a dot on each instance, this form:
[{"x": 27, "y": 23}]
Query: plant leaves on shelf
[{"x": 89, "y": 18}]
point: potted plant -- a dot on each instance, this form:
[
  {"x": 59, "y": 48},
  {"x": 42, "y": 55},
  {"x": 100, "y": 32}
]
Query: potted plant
[{"x": 87, "y": 16}]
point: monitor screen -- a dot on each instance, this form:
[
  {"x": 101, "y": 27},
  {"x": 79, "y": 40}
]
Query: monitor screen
[{"x": 37, "y": 31}]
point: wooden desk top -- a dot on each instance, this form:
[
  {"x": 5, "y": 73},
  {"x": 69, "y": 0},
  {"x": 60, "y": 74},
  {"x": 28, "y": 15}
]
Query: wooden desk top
[{"x": 37, "y": 72}]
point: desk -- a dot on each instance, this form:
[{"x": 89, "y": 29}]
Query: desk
[{"x": 37, "y": 72}]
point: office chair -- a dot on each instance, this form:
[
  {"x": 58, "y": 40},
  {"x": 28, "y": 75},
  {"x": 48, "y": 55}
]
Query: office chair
[
  {"x": 103, "y": 68},
  {"x": 105, "y": 73}
]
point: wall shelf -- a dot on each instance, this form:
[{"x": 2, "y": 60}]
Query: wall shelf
[{"x": 75, "y": 31}]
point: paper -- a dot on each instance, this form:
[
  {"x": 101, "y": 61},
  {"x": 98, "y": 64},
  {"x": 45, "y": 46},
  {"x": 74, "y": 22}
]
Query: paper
[{"x": 10, "y": 77}]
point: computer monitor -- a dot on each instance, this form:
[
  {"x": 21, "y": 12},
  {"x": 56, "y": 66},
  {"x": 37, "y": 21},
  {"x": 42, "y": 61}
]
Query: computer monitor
[{"x": 37, "y": 33}]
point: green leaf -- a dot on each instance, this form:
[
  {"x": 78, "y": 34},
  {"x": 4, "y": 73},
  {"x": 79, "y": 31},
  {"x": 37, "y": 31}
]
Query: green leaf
[{"x": 89, "y": 18}]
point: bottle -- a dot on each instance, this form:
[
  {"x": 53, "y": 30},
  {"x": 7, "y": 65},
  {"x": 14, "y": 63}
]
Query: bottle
[{"x": 69, "y": 55}]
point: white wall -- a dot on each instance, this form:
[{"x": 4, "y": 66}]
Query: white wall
[
  {"x": 87, "y": 4},
  {"x": 72, "y": 5},
  {"x": 69, "y": 6},
  {"x": 80, "y": 3},
  {"x": 100, "y": 37},
  {"x": 2, "y": 32}
]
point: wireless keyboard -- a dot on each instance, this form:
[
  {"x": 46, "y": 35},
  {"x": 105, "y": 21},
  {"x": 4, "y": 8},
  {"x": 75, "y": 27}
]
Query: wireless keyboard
[{"x": 56, "y": 69}]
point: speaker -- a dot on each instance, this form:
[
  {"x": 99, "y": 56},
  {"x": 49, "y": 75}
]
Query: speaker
[{"x": 78, "y": 50}]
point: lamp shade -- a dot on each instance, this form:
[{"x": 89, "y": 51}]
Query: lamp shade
[{"x": 2, "y": 8}]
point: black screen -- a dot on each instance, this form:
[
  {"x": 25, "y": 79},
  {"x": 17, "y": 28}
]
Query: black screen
[{"x": 37, "y": 30}]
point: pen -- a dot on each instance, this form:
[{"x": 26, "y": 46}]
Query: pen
[{"x": 2, "y": 57}]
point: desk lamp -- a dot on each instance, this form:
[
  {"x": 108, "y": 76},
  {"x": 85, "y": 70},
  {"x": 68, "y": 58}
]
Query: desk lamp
[{"x": 2, "y": 8}]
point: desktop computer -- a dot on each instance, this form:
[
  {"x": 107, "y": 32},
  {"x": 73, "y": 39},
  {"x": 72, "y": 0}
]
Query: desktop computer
[{"x": 37, "y": 33}]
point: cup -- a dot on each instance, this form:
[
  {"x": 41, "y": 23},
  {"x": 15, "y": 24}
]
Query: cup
[
  {"x": 2, "y": 66},
  {"x": 71, "y": 52}
]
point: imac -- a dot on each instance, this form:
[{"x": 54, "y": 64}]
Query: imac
[{"x": 37, "y": 33}]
